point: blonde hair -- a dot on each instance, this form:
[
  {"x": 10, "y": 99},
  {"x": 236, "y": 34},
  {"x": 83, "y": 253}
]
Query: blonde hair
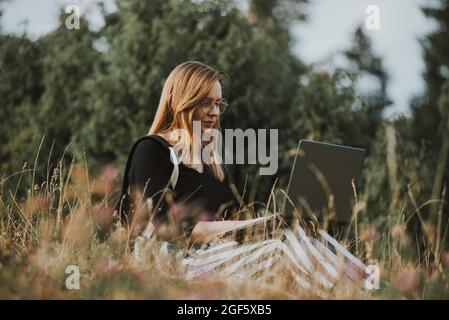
[{"x": 185, "y": 88}]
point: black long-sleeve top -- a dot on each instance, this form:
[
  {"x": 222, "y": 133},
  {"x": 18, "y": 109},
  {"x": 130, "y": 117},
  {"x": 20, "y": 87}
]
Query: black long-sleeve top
[{"x": 151, "y": 166}]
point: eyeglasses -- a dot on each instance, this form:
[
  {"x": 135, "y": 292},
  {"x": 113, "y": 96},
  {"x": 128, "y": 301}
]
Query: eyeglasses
[{"x": 208, "y": 105}]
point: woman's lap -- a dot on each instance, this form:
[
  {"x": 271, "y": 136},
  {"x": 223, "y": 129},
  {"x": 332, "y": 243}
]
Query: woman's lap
[{"x": 309, "y": 260}]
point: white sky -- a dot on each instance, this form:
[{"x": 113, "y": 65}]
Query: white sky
[{"x": 329, "y": 28}]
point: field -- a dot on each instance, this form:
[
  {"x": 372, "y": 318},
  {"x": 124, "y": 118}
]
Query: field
[{"x": 66, "y": 221}]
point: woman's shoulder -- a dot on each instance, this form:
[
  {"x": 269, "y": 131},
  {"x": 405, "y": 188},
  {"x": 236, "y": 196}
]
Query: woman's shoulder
[{"x": 150, "y": 147}]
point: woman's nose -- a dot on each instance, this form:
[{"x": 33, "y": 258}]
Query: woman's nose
[{"x": 215, "y": 111}]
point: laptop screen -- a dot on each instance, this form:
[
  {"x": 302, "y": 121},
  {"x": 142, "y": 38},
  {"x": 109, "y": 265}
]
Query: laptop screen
[{"x": 321, "y": 182}]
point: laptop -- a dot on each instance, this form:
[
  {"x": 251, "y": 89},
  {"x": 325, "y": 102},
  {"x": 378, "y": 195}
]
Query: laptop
[
  {"x": 321, "y": 182},
  {"x": 319, "y": 170}
]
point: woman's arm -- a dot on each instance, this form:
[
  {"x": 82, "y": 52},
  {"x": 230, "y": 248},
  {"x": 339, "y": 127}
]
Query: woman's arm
[{"x": 206, "y": 231}]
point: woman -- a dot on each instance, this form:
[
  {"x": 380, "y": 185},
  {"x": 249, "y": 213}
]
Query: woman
[{"x": 192, "y": 95}]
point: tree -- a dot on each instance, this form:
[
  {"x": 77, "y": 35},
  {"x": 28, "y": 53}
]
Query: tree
[
  {"x": 146, "y": 40},
  {"x": 436, "y": 58},
  {"x": 278, "y": 12},
  {"x": 68, "y": 60},
  {"x": 428, "y": 112},
  {"x": 1, "y": 13},
  {"x": 443, "y": 153},
  {"x": 20, "y": 89},
  {"x": 366, "y": 64}
]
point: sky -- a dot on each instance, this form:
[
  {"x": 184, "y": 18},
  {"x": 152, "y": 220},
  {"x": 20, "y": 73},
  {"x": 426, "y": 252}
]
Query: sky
[{"x": 328, "y": 30}]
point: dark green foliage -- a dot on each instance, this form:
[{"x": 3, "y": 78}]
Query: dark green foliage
[
  {"x": 429, "y": 118},
  {"x": 21, "y": 88},
  {"x": 436, "y": 58}
]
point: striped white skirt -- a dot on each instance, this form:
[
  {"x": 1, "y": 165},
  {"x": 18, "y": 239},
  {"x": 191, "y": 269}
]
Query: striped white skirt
[{"x": 314, "y": 264}]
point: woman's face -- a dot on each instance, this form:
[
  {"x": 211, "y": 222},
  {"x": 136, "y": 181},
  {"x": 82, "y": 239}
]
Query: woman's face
[{"x": 209, "y": 116}]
